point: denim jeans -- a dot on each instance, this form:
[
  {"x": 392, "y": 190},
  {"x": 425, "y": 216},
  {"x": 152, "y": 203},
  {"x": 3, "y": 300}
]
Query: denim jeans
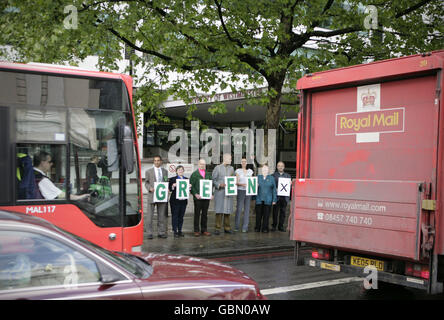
[{"x": 243, "y": 202}]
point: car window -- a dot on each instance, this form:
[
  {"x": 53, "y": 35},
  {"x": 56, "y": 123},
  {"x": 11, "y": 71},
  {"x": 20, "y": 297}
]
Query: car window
[{"x": 32, "y": 260}]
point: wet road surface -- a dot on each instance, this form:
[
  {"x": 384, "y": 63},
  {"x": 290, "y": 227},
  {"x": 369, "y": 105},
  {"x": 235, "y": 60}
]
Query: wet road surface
[{"x": 279, "y": 278}]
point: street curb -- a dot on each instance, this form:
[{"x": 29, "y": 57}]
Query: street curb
[{"x": 234, "y": 252}]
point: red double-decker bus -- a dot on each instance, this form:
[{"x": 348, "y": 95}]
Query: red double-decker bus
[{"x": 75, "y": 130}]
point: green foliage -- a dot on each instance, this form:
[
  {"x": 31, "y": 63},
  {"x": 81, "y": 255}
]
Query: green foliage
[
  {"x": 242, "y": 44},
  {"x": 216, "y": 108}
]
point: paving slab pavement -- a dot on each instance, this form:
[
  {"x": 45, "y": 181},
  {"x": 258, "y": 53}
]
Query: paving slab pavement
[{"x": 237, "y": 243}]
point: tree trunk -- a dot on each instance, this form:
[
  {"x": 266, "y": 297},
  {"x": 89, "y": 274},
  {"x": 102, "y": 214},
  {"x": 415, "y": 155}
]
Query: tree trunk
[
  {"x": 273, "y": 113},
  {"x": 271, "y": 126}
]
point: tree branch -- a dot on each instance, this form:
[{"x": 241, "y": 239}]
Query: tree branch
[
  {"x": 286, "y": 46},
  {"x": 165, "y": 15},
  {"x": 219, "y": 12},
  {"x": 151, "y": 52},
  {"x": 327, "y": 6},
  {"x": 333, "y": 33},
  {"x": 412, "y": 8},
  {"x": 252, "y": 61},
  {"x": 244, "y": 57},
  {"x": 87, "y": 6}
]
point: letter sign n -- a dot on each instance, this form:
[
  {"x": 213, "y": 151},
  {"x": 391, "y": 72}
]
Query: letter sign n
[{"x": 251, "y": 186}]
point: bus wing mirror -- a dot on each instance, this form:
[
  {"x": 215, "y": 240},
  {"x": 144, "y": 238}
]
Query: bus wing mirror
[{"x": 127, "y": 149}]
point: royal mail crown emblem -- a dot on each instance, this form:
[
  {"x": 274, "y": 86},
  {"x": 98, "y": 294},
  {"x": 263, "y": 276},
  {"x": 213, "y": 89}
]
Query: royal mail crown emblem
[{"x": 368, "y": 98}]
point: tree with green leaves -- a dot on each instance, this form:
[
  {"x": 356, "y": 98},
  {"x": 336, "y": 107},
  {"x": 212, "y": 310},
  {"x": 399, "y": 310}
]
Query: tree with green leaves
[{"x": 220, "y": 43}]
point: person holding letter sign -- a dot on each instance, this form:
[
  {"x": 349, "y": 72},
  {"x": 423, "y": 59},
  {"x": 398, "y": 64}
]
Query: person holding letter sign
[
  {"x": 266, "y": 197},
  {"x": 283, "y": 184},
  {"x": 202, "y": 191},
  {"x": 224, "y": 193},
  {"x": 243, "y": 200},
  {"x": 179, "y": 187},
  {"x": 157, "y": 197}
]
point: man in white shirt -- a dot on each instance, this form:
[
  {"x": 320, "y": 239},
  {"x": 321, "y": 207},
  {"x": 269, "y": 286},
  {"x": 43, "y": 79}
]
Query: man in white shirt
[{"x": 42, "y": 165}]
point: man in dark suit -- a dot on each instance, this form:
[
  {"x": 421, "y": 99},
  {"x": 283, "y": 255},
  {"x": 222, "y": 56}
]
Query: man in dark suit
[
  {"x": 279, "y": 209},
  {"x": 156, "y": 174}
]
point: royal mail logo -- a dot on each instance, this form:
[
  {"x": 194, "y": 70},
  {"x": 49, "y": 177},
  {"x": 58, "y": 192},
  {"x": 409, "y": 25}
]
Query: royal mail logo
[
  {"x": 381, "y": 121},
  {"x": 369, "y": 120},
  {"x": 369, "y": 98}
]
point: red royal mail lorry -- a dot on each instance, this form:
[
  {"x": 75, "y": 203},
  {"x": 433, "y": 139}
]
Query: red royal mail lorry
[{"x": 370, "y": 183}]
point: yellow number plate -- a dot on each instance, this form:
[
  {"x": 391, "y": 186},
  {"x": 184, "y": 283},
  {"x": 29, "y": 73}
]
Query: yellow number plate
[
  {"x": 363, "y": 262},
  {"x": 329, "y": 266}
]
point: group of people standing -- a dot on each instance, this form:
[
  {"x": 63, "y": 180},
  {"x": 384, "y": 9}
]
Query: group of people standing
[{"x": 267, "y": 201}]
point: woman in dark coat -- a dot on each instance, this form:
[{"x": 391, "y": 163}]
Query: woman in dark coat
[
  {"x": 266, "y": 197},
  {"x": 178, "y": 207}
]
